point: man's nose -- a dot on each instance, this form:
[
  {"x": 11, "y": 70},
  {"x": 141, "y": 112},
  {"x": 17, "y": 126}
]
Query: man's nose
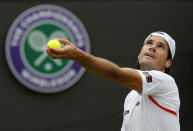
[{"x": 152, "y": 48}]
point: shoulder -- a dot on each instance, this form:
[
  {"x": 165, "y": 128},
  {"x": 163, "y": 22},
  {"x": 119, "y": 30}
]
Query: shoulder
[
  {"x": 162, "y": 74},
  {"x": 157, "y": 83},
  {"x": 156, "y": 75},
  {"x": 166, "y": 79}
]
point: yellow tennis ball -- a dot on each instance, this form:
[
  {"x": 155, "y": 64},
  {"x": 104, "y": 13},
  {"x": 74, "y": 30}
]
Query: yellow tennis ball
[{"x": 53, "y": 44}]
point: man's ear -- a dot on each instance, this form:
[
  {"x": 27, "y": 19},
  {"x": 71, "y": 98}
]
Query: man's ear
[{"x": 168, "y": 63}]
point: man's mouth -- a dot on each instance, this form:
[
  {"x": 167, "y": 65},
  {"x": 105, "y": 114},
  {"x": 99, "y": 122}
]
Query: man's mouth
[{"x": 149, "y": 55}]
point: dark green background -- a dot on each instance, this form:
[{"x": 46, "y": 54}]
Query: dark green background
[
  {"x": 32, "y": 55},
  {"x": 116, "y": 30}
]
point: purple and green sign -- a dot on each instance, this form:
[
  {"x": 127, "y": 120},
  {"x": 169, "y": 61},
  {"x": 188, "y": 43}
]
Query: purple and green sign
[{"x": 26, "y": 43}]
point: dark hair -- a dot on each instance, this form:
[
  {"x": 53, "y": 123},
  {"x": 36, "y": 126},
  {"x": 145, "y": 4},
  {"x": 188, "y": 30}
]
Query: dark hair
[
  {"x": 167, "y": 69},
  {"x": 169, "y": 57}
]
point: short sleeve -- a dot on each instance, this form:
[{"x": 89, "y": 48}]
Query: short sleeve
[{"x": 156, "y": 83}]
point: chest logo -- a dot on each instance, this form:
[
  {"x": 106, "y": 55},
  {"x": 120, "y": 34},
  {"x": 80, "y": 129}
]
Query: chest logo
[{"x": 148, "y": 77}]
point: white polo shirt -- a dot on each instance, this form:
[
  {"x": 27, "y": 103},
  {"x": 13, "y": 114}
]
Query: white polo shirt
[{"x": 157, "y": 108}]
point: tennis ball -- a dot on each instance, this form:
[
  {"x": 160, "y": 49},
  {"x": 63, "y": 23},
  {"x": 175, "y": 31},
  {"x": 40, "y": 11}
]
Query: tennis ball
[{"x": 53, "y": 44}]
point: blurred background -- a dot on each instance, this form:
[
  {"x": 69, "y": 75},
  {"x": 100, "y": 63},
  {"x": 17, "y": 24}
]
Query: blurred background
[{"x": 116, "y": 29}]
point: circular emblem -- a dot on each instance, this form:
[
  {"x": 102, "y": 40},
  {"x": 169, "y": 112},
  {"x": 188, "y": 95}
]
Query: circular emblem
[{"x": 26, "y": 43}]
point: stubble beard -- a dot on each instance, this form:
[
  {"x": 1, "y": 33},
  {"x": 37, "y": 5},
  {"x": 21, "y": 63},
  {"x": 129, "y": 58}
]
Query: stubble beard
[{"x": 147, "y": 66}]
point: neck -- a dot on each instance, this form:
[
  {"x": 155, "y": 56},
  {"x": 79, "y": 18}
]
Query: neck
[
  {"x": 150, "y": 67},
  {"x": 146, "y": 68}
]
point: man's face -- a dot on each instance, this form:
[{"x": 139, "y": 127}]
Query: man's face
[{"x": 153, "y": 55}]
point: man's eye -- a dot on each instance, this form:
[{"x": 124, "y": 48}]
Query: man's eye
[
  {"x": 161, "y": 46},
  {"x": 149, "y": 43}
]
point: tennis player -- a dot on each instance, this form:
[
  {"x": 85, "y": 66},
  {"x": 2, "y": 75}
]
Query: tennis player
[{"x": 153, "y": 104}]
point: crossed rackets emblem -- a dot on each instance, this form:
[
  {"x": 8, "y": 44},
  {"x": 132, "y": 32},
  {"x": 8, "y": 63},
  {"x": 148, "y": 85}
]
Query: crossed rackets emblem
[{"x": 37, "y": 41}]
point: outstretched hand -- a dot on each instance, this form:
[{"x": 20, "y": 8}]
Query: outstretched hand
[{"x": 67, "y": 52}]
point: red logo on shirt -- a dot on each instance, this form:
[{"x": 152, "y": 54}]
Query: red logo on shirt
[
  {"x": 137, "y": 103},
  {"x": 148, "y": 77}
]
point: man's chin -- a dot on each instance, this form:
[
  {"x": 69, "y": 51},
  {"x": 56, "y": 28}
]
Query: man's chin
[{"x": 147, "y": 62}]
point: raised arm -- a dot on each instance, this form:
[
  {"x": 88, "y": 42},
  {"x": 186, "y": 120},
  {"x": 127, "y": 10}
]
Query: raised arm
[{"x": 101, "y": 67}]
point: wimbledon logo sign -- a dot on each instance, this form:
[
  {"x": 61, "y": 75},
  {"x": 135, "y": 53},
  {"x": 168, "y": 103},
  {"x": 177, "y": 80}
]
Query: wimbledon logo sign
[{"x": 26, "y": 44}]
